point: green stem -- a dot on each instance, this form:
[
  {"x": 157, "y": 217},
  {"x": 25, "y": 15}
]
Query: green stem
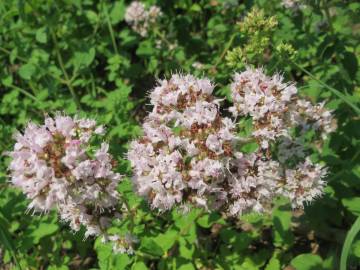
[
  {"x": 161, "y": 36},
  {"x": 336, "y": 92},
  {"x": 62, "y": 66},
  {"x": 355, "y": 228},
  {"x": 128, "y": 208},
  {"x": 355, "y": 156},
  {"x": 328, "y": 17},
  {"x": 275, "y": 65},
  {"x": 110, "y": 28},
  {"x": 8, "y": 243},
  {"x": 333, "y": 90},
  {"x": 24, "y": 92},
  {"x": 227, "y": 47}
]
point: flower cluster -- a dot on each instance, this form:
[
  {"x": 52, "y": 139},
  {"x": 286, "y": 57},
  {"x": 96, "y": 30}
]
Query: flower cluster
[
  {"x": 183, "y": 155},
  {"x": 258, "y": 30},
  {"x": 252, "y": 184},
  {"x": 189, "y": 154},
  {"x": 122, "y": 244},
  {"x": 57, "y": 166},
  {"x": 277, "y": 112},
  {"x": 140, "y": 18},
  {"x": 275, "y": 107},
  {"x": 312, "y": 117},
  {"x": 303, "y": 183},
  {"x": 294, "y": 5},
  {"x": 198, "y": 65},
  {"x": 257, "y": 180}
]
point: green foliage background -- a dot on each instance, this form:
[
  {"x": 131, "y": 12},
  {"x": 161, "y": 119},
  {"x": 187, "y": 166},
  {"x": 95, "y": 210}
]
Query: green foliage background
[{"x": 79, "y": 56}]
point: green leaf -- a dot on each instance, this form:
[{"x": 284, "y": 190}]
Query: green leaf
[
  {"x": 44, "y": 229},
  {"x": 187, "y": 266},
  {"x": 103, "y": 254},
  {"x": 121, "y": 261},
  {"x": 26, "y": 71},
  {"x": 274, "y": 264},
  {"x": 185, "y": 220},
  {"x": 149, "y": 245},
  {"x": 186, "y": 250},
  {"x": 41, "y": 35},
  {"x": 225, "y": 91},
  {"x": 117, "y": 12},
  {"x": 107, "y": 259},
  {"x": 249, "y": 147},
  {"x": 139, "y": 266},
  {"x": 331, "y": 260},
  {"x": 7, "y": 81},
  {"x": 307, "y": 262},
  {"x": 92, "y": 16},
  {"x": 145, "y": 49},
  {"x": 206, "y": 221},
  {"x": 84, "y": 58},
  {"x": 281, "y": 217},
  {"x": 42, "y": 95},
  {"x": 240, "y": 241},
  {"x": 255, "y": 261},
  {"x": 195, "y": 8},
  {"x": 166, "y": 240},
  {"x": 352, "y": 204}
]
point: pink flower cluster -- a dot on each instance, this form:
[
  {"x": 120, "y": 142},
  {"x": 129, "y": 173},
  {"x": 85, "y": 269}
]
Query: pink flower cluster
[
  {"x": 140, "y": 18},
  {"x": 258, "y": 180},
  {"x": 275, "y": 107},
  {"x": 294, "y": 5},
  {"x": 123, "y": 244},
  {"x": 56, "y": 166},
  {"x": 183, "y": 155},
  {"x": 190, "y": 155}
]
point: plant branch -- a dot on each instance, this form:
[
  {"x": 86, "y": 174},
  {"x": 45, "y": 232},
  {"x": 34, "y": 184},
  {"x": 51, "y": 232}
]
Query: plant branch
[
  {"x": 26, "y": 93},
  {"x": 227, "y": 47},
  {"x": 354, "y": 230},
  {"x": 333, "y": 90},
  {"x": 162, "y": 37},
  {"x": 62, "y": 66},
  {"x": 108, "y": 22}
]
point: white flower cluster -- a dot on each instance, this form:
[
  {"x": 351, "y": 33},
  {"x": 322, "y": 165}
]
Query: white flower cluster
[
  {"x": 140, "y": 18},
  {"x": 183, "y": 155},
  {"x": 188, "y": 154},
  {"x": 122, "y": 244},
  {"x": 258, "y": 180},
  {"x": 56, "y": 166},
  {"x": 274, "y": 107},
  {"x": 303, "y": 183},
  {"x": 292, "y": 4},
  {"x": 252, "y": 184},
  {"x": 312, "y": 117}
]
